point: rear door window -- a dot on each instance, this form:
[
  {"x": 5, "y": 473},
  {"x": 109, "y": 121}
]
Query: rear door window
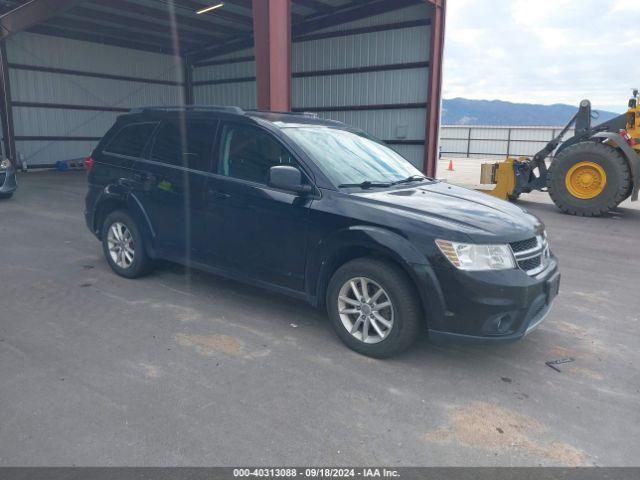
[
  {"x": 131, "y": 139},
  {"x": 185, "y": 144}
]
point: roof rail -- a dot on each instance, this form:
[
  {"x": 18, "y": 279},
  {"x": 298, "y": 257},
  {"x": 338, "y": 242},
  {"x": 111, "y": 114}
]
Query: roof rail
[
  {"x": 171, "y": 108},
  {"x": 284, "y": 112}
]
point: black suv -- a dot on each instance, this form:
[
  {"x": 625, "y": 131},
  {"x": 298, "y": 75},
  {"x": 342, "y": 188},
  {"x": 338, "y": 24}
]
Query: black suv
[{"x": 323, "y": 212}]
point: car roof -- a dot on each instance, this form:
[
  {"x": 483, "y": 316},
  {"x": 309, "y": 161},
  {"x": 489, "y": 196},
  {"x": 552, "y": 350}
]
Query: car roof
[{"x": 277, "y": 119}]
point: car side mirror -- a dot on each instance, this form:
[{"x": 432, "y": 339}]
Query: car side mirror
[{"x": 288, "y": 178}]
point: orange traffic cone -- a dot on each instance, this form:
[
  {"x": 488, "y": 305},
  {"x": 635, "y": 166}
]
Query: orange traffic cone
[{"x": 450, "y": 166}]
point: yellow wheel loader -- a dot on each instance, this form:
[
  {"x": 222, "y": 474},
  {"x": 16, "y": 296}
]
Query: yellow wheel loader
[{"x": 590, "y": 173}]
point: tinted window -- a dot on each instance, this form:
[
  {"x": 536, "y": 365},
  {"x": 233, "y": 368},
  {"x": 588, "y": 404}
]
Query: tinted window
[
  {"x": 187, "y": 144},
  {"x": 130, "y": 140},
  {"x": 248, "y": 153}
]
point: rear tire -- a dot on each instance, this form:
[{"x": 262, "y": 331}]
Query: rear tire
[
  {"x": 6, "y": 196},
  {"x": 391, "y": 329},
  {"x": 615, "y": 184},
  {"x": 123, "y": 245}
]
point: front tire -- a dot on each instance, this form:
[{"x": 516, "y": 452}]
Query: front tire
[
  {"x": 373, "y": 307},
  {"x": 589, "y": 179},
  {"x": 123, "y": 245}
]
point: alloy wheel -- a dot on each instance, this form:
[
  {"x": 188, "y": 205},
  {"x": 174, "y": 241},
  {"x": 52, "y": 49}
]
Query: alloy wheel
[
  {"x": 120, "y": 245},
  {"x": 365, "y": 310}
]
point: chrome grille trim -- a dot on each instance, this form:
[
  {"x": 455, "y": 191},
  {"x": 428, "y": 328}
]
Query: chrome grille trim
[{"x": 541, "y": 250}]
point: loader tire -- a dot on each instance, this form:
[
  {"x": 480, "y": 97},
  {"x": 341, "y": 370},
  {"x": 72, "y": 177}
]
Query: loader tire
[
  {"x": 588, "y": 179},
  {"x": 628, "y": 194}
]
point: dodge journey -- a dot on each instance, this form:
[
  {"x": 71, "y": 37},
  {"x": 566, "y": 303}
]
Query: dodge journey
[{"x": 324, "y": 212}]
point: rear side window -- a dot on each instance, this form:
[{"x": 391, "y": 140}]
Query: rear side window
[
  {"x": 130, "y": 140},
  {"x": 187, "y": 144}
]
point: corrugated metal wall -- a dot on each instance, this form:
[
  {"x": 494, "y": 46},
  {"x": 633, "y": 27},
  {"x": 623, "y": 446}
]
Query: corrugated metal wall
[
  {"x": 483, "y": 141},
  {"x": 75, "y": 130},
  {"x": 404, "y": 126},
  {"x": 241, "y": 92},
  {"x": 352, "y": 97}
]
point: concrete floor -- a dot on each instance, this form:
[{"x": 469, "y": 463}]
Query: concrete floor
[{"x": 191, "y": 369}]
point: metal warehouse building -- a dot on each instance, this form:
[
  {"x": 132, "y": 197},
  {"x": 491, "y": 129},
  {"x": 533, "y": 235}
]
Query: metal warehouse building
[{"x": 70, "y": 67}]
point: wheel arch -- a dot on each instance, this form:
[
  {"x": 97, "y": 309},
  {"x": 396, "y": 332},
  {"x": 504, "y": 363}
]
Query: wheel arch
[
  {"x": 113, "y": 198},
  {"x": 367, "y": 241}
]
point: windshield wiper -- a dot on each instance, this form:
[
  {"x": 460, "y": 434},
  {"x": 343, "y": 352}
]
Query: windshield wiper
[
  {"x": 412, "y": 178},
  {"x": 366, "y": 184}
]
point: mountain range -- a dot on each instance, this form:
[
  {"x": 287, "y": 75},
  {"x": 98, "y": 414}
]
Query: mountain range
[{"x": 462, "y": 111}]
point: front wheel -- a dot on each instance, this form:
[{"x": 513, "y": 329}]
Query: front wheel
[
  {"x": 123, "y": 245},
  {"x": 373, "y": 307}
]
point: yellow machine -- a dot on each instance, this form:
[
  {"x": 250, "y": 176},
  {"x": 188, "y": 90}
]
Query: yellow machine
[{"x": 591, "y": 172}]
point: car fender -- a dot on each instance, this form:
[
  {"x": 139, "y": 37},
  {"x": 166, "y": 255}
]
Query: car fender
[
  {"x": 631, "y": 155},
  {"x": 323, "y": 257},
  {"x": 121, "y": 194}
]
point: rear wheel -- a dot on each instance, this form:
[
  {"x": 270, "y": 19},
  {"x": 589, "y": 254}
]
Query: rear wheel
[
  {"x": 123, "y": 245},
  {"x": 373, "y": 307},
  {"x": 6, "y": 195},
  {"x": 589, "y": 179}
]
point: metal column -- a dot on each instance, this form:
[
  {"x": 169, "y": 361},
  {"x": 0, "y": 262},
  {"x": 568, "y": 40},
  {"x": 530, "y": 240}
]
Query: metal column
[
  {"x": 188, "y": 82},
  {"x": 435, "y": 88},
  {"x": 6, "y": 112},
  {"x": 272, "y": 47}
]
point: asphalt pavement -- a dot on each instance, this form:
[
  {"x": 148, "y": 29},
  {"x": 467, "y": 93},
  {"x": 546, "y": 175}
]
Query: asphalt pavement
[{"x": 186, "y": 368}]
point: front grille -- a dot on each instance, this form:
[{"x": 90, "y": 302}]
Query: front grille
[
  {"x": 530, "y": 263},
  {"x": 523, "y": 245},
  {"x": 531, "y": 254}
]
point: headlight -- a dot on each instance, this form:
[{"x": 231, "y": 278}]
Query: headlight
[
  {"x": 5, "y": 164},
  {"x": 472, "y": 257}
]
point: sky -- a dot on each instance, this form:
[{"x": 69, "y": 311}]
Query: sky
[{"x": 543, "y": 51}]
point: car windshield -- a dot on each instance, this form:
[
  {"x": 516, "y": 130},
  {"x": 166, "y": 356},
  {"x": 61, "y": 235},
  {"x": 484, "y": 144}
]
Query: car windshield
[{"x": 352, "y": 159}]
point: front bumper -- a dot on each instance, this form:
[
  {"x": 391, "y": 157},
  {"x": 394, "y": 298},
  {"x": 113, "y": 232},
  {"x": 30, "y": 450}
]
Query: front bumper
[
  {"x": 8, "y": 182},
  {"x": 494, "y": 307}
]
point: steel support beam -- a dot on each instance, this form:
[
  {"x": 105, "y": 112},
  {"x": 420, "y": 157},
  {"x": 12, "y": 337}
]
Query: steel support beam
[
  {"x": 351, "y": 12},
  {"x": 6, "y": 112},
  {"x": 32, "y": 13},
  {"x": 272, "y": 47},
  {"x": 434, "y": 91},
  {"x": 188, "y": 82}
]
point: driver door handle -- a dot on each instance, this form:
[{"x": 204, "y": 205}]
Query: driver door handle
[{"x": 144, "y": 177}]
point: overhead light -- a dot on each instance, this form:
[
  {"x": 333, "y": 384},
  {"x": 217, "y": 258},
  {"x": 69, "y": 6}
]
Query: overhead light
[{"x": 208, "y": 9}]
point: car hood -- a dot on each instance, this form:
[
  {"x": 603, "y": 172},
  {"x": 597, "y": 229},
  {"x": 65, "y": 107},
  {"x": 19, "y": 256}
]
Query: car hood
[{"x": 475, "y": 212}]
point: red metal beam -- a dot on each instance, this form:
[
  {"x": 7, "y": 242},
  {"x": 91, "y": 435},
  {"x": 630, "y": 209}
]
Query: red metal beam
[
  {"x": 272, "y": 47},
  {"x": 434, "y": 90}
]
